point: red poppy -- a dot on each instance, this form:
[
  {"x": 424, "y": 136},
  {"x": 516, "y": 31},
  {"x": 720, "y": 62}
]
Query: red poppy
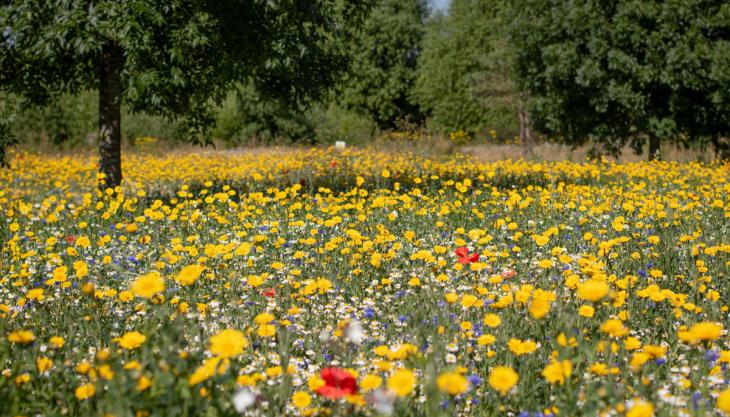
[
  {"x": 269, "y": 292},
  {"x": 70, "y": 239},
  {"x": 337, "y": 383},
  {"x": 465, "y": 257},
  {"x": 333, "y": 164}
]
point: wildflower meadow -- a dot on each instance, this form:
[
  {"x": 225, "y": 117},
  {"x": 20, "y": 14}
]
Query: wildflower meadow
[{"x": 355, "y": 282}]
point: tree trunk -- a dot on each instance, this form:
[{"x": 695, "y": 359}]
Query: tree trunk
[
  {"x": 110, "y": 109},
  {"x": 716, "y": 146},
  {"x": 526, "y": 141},
  {"x": 654, "y": 145}
]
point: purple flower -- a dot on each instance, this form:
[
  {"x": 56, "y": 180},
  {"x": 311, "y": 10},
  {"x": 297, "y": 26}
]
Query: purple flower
[{"x": 711, "y": 356}]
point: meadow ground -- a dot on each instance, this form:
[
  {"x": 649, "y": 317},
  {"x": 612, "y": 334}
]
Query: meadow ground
[{"x": 359, "y": 282}]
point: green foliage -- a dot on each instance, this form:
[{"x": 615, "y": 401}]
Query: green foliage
[
  {"x": 143, "y": 124},
  {"x": 333, "y": 123},
  {"x": 67, "y": 121},
  {"x": 246, "y": 114},
  {"x": 180, "y": 58},
  {"x": 70, "y": 121},
  {"x": 7, "y": 137},
  {"x": 621, "y": 72},
  {"x": 463, "y": 74},
  {"x": 242, "y": 117},
  {"x": 384, "y": 63},
  {"x": 246, "y": 118}
]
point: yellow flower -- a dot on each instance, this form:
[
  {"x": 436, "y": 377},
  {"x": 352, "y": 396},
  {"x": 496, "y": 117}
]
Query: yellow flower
[
  {"x": 503, "y": 378},
  {"x": 22, "y": 337},
  {"x": 43, "y": 364},
  {"x": 228, "y": 343},
  {"x": 703, "y": 332},
  {"x": 545, "y": 263},
  {"x": 126, "y": 296},
  {"x": 586, "y": 311},
  {"x": 315, "y": 382},
  {"x": 243, "y": 249},
  {"x": 264, "y": 318},
  {"x": 103, "y": 354},
  {"x": 468, "y": 300},
  {"x": 519, "y": 347},
  {"x": 592, "y": 290},
  {"x": 638, "y": 359},
  {"x": 273, "y": 371},
  {"x": 266, "y": 330},
  {"x": 614, "y": 328},
  {"x": 35, "y": 294},
  {"x": 541, "y": 240},
  {"x": 131, "y": 340},
  {"x": 654, "y": 351},
  {"x": 83, "y": 368},
  {"x": 632, "y": 343},
  {"x": 147, "y": 285},
  {"x": 486, "y": 339},
  {"x": 402, "y": 382},
  {"x": 22, "y": 378},
  {"x": 370, "y": 382},
  {"x": 83, "y": 242},
  {"x": 556, "y": 372},
  {"x": 255, "y": 280},
  {"x": 189, "y": 274},
  {"x": 723, "y": 401},
  {"x": 209, "y": 368},
  {"x": 85, "y": 391},
  {"x": 301, "y": 399},
  {"x": 492, "y": 320},
  {"x": 105, "y": 371},
  {"x": 246, "y": 380},
  {"x": 599, "y": 369},
  {"x": 81, "y": 269},
  {"x": 143, "y": 383},
  {"x": 640, "y": 408},
  {"x": 452, "y": 383},
  {"x": 57, "y": 342},
  {"x": 539, "y": 307}
]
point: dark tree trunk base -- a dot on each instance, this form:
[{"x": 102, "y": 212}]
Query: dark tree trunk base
[
  {"x": 526, "y": 142},
  {"x": 110, "y": 126},
  {"x": 654, "y": 147}
]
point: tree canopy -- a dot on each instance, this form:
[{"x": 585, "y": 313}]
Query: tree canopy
[
  {"x": 174, "y": 58},
  {"x": 463, "y": 75},
  {"x": 625, "y": 72},
  {"x": 385, "y": 56}
]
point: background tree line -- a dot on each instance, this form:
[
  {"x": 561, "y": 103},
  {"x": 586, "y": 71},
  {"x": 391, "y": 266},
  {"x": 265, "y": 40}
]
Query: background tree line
[{"x": 608, "y": 73}]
